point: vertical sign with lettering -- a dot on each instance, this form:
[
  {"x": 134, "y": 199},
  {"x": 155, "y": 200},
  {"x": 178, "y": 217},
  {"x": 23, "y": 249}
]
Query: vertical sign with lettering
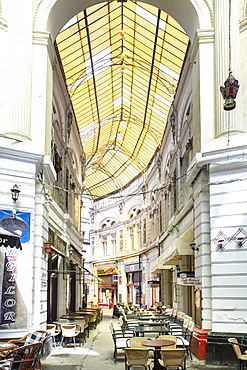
[
  {"x": 15, "y": 269},
  {"x": 8, "y": 302}
]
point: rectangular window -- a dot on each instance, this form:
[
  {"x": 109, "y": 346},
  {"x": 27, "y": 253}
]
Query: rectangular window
[
  {"x": 132, "y": 235},
  {"x": 160, "y": 217},
  {"x": 104, "y": 245},
  {"x": 139, "y": 229},
  {"x": 174, "y": 186},
  {"x": 144, "y": 231},
  {"x": 113, "y": 242},
  {"x": 120, "y": 240}
]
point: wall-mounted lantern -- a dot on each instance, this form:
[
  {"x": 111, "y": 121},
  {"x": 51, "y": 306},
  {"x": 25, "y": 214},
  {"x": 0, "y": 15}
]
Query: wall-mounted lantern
[
  {"x": 15, "y": 191},
  {"x": 193, "y": 246}
]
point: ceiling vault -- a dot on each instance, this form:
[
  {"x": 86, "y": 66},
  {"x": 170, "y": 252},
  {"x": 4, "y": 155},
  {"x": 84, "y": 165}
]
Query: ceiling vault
[{"x": 122, "y": 62}]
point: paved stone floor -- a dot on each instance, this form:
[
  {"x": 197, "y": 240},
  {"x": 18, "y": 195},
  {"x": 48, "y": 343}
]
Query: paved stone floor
[{"x": 97, "y": 353}]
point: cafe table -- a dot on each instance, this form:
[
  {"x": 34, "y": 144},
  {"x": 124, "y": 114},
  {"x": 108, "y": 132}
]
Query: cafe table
[
  {"x": 157, "y": 344},
  {"x": 141, "y": 330},
  {"x": 150, "y": 323},
  {"x": 60, "y": 322}
]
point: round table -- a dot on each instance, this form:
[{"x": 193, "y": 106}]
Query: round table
[{"x": 157, "y": 344}]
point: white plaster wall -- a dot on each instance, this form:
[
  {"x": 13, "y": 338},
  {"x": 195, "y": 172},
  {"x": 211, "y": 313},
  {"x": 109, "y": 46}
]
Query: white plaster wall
[{"x": 228, "y": 202}]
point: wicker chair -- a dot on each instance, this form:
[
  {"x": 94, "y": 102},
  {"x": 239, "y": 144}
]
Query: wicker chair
[
  {"x": 23, "y": 358},
  {"x": 69, "y": 331},
  {"x": 37, "y": 336},
  {"x": 173, "y": 358},
  {"x": 136, "y": 342},
  {"x": 237, "y": 349},
  {"x": 137, "y": 357},
  {"x": 169, "y": 337}
]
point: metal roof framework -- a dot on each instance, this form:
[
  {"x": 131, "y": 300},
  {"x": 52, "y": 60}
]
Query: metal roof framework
[{"x": 122, "y": 62}]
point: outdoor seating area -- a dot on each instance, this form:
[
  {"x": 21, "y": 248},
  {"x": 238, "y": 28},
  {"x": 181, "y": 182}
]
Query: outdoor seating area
[
  {"x": 27, "y": 352},
  {"x": 168, "y": 338}
]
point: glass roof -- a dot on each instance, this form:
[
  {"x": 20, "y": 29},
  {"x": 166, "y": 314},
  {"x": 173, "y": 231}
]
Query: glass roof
[{"x": 122, "y": 62}]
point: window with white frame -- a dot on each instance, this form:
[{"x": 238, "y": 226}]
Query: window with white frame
[
  {"x": 104, "y": 245},
  {"x": 132, "y": 238},
  {"x": 144, "y": 231},
  {"x": 139, "y": 229},
  {"x": 114, "y": 243}
]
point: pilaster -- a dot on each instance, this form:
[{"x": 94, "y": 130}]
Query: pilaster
[{"x": 226, "y": 55}]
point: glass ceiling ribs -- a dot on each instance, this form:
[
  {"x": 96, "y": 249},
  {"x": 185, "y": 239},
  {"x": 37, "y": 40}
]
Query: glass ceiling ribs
[{"x": 122, "y": 63}]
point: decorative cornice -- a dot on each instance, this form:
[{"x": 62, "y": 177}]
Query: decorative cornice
[
  {"x": 201, "y": 37},
  {"x": 41, "y": 38}
]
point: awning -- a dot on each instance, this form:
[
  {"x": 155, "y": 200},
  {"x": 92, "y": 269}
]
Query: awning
[
  {"x": 181, "y": 247},
  {"x": 157, "y": 265},
  {"x": 171, "y": 256},
  {"x": 7, "y": 239}
]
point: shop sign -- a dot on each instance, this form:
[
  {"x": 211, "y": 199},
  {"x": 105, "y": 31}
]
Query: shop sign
[
  {"x": 107, "y": 271},
  {"x": 132, "y": 267},
  {"x": 186, "y": 278}
]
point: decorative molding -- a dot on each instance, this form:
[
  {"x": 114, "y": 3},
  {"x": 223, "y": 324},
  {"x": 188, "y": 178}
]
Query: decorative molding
[
  {"x": 41, "y": 38},
  {"x": 3, "y": 24},
  {"x": 243, "y": 25}
]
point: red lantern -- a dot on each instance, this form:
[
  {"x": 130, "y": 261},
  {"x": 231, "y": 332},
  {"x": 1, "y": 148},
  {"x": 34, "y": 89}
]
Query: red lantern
[{"x": 229, "y": 92}]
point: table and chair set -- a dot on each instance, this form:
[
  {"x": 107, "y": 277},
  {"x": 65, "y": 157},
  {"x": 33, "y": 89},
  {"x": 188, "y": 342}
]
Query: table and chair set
[
  {"x": 168, "y": 346},
  {"x": 75, "y": 326}
]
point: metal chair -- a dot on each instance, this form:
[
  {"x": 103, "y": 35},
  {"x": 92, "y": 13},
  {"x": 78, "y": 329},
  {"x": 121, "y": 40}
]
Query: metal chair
[
  {"x": 119, "y": 339},
  {"x": 184, "y": 340},
  {"x": 173, "y": 358},
  {"x": 69, "y": 331},
  {"x": 237, "y": 349},
  {"x": 137, "y": 357}
]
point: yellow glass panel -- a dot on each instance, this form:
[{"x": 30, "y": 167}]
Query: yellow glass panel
[{"x": 132, "y": 96}]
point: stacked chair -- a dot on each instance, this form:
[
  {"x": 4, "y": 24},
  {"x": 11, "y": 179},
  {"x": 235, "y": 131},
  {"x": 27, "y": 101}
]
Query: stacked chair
[{"x": 181, "y": 326}]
